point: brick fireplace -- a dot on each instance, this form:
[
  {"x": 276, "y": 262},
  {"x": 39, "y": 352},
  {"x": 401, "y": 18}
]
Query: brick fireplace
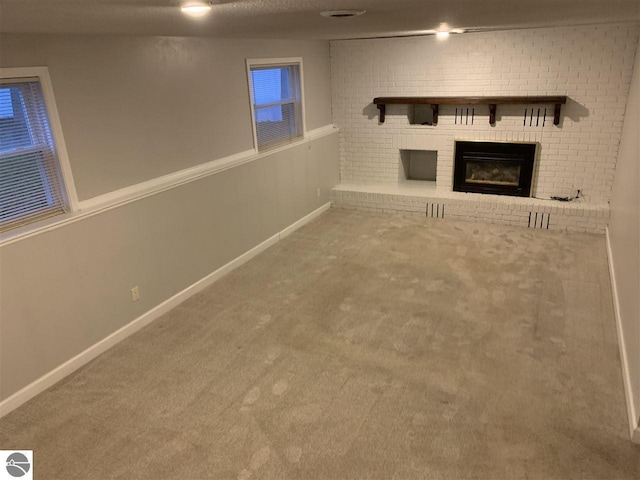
[{"x": 578, "y": 153}]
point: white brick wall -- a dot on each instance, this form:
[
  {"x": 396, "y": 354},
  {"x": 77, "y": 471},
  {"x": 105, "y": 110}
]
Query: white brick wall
[{"x": 592, "y": 65}]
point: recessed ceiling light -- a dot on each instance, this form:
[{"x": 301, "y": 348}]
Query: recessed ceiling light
[
  {"x": 342, "y": 13},
  {"x": 196, "y": 9}
]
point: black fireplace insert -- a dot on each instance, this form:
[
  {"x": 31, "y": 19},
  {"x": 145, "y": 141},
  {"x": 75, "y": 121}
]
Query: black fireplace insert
[{"x": 497, "y": 168}]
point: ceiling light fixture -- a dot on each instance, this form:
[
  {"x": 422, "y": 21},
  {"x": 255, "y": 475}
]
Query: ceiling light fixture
[
  {"x": 442, "y": 35},
  {"x": 342, "y": 13},
  {"x": 195, "y": 8}
]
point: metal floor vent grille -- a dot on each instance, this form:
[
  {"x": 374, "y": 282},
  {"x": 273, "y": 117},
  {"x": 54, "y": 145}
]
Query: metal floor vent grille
[
  {"x": 539, "y": 220},
  {"x": 435, "y": 210}
]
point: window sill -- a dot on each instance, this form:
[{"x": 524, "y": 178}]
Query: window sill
[{"x": 40, "y": 226}]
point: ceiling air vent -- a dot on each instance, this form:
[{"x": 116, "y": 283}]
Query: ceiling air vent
[{"x": 342, "y": 13}]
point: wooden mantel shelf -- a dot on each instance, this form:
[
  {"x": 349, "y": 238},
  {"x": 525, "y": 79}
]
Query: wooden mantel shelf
[{"x": 493, "y": 102}]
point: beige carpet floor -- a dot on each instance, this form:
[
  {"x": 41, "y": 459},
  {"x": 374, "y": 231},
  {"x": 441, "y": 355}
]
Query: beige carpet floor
[{"x": 362, "y": 346}]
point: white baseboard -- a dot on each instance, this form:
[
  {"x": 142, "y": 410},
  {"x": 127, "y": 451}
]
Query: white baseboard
[
  {"x": 634, "y": 430},
  {"x": 68, "y": 367},
  {"x": 304, "y": 220}
]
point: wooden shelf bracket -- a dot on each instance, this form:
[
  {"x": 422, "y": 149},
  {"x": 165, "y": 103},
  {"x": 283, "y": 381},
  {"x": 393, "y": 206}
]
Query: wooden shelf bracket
[
  {"x": 492, "y": 113},
  {"x": 434, "y": 108},
  {"x": 383, "y": 108}
]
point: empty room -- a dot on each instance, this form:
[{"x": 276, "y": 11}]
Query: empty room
[{"x": 357, "y": 239}]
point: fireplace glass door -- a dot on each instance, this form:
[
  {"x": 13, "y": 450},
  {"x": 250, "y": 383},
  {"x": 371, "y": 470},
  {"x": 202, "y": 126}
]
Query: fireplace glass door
[
  {"x": 494, "y": 168},
  {"x": 492, "y": 172}
]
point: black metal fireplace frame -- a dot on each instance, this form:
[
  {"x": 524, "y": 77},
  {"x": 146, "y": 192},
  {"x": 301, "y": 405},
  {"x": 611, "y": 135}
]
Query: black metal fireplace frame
[{"x": 523, "y": 154}]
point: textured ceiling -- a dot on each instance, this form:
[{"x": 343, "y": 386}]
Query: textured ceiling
[{"x": 301, "y": 19}]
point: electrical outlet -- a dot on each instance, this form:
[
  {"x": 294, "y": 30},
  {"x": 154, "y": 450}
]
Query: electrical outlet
[
  {"x": 318, "y": 192},
  {"x": 135, "y": 294}
]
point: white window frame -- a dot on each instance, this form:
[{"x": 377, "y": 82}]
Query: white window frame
[
  {"x": 70, "y": 196},
  {"x": 276, "y": 62}
]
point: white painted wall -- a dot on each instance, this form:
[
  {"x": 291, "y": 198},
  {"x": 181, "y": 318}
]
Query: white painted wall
[
  {"x": 624, "y": 237},
  {"x": 592, "y": 65},
  {"x": 136, "y": 108},
  {"x": 133, "y": 109}
]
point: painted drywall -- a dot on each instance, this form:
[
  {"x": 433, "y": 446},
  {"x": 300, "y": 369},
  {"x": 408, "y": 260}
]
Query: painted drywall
[
  {"x": 136, "y": 108},
  {"x": 624, "y": 233},
  {"x": 66, "y": 289},
  {"x": 591, "y": 65},
  {"x": 127, "y": 107}
]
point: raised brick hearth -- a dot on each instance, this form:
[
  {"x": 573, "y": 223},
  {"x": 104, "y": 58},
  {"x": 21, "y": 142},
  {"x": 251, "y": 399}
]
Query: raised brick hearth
[{"x": 415, "y": 200}]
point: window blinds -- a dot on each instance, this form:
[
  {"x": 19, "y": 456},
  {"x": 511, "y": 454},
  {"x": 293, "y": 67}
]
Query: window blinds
[
  {"x": 276, "y": 104},
  {"x": 30, "y": 179}
]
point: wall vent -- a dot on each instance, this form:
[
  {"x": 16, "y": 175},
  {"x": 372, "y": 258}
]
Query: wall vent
[
  {"x": 534, "y": 118},
  {"x": 539, "y": 220},
  {"x": 435, "y": 210},
  {"x": 465, "y": 118}
]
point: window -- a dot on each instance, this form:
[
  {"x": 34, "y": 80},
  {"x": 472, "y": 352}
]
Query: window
[
  {"x": 276, "y": 97},
  {"x": 31, "y": 181},
  {"x": 6, "y": 105}
]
